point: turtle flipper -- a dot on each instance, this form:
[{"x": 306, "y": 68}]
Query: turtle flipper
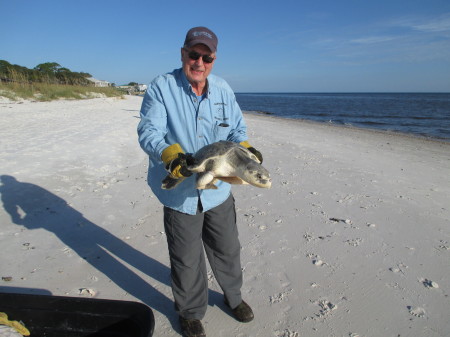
[
  {"x": 206, "y": 180},
  {"x": 169, "y": 183},
  {"x": 212, "y": 185}
]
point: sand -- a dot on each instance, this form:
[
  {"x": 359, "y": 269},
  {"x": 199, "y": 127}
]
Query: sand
[{"x": 353, "y": 238}]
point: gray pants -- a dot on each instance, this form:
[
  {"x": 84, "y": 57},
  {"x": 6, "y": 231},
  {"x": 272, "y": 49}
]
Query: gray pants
[{"x": 216, "y": 231}]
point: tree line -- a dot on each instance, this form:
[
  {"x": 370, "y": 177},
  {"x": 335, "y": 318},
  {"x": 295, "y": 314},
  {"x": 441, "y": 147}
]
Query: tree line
[{"x": 49, "y": 72}]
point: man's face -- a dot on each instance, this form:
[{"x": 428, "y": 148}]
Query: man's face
[{"x": 197, "y": 70}]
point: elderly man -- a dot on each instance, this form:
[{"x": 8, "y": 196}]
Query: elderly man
[{"x": 183, "y": 111}]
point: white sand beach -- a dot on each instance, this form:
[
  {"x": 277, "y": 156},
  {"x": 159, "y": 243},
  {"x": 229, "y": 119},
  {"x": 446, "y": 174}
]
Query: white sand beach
[{"x": 353, "y": 238}]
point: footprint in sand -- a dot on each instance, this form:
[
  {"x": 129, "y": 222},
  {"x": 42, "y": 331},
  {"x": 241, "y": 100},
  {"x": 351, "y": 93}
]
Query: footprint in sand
[
  {"x": 429, "y": 284},
  {"x": 316, "y": 260},
  {"x": 280, "y": 297},
  {"x": 250, "y": 219},
  {"x": 346, "y": 221},
  {"x": 399, "y": 269},
  {"x": 286, "y": 333},
  {"x": 416, "y": 311},
  {"x": 354, "y": 242},
  {"x": 327, "y": 307},
  {"x": 444, "y": 245},
  {"x": 210, "y": 276}
]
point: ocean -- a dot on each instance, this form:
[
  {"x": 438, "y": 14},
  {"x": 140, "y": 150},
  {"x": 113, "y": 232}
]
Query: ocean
[{"x": 420, "y": 114}]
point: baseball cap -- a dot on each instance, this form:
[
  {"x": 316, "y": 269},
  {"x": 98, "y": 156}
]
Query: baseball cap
[{"x": 201, "y": 35}]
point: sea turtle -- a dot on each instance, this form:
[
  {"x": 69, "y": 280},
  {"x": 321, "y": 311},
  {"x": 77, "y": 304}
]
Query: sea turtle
[{"x": 227, "y": 161}]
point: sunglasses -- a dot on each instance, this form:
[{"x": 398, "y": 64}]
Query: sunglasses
[{"x": 193, "y": 55}]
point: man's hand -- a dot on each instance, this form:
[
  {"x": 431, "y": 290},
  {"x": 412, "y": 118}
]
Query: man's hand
[
  {"x": 252, "y": 150},
  {"x": 176, "y": 161}
]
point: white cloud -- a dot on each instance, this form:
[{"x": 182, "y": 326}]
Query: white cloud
[
  {"x": 441, "y": 24},
  {"x": 373, "y": 39},
  {"x": 435, "y": 24},
  {"x": 406, "y": 39}
]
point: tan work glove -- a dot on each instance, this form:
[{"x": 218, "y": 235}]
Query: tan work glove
[{"x": 174, "y": 160}]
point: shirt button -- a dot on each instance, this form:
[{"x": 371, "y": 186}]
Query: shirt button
[{"x": 200, "y": 118}]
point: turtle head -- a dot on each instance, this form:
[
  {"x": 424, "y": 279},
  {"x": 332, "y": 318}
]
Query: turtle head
[{"x": 257, "y": 175}]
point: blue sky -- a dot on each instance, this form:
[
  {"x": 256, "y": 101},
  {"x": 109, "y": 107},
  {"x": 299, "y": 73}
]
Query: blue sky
[{"x": 276, "y": 46}]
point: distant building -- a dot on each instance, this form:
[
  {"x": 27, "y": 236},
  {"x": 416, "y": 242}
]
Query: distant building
[
  {"x": 99, "y": 83},
  {"x": 141, "y": 87},
  {"x": 133, "y": 89}
]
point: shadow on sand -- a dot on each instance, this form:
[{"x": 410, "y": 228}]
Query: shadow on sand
[{"x": 34, "y": 207}]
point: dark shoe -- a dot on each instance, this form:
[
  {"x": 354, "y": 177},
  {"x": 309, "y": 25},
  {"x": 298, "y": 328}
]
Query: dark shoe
[
  {"x": 243, "y": 313},
  {"x": 192, "y": 328}
]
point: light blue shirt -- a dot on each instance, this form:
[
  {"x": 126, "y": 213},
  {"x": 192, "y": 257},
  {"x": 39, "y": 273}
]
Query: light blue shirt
[{"x": 172, "y": 113}]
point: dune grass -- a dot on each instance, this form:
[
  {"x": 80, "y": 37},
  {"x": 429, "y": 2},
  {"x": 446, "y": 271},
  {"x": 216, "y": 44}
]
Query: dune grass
[{"x": 49, "y": 92}]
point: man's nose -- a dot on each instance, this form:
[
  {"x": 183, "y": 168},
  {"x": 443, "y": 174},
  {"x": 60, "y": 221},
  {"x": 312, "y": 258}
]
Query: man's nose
[{"x": 199, "y": 61}]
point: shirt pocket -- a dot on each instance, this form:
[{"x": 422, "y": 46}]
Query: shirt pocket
[{"x": 221, "y": 131}]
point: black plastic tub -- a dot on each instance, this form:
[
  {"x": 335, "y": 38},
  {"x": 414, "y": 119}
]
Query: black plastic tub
[{"x": 59, "y": 316}]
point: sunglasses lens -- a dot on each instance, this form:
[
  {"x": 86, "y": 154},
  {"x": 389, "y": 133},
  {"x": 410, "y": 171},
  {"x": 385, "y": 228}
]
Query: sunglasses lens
[
  {"x": 193, "y": 55},
  {"x": 207, "y": 59}
]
